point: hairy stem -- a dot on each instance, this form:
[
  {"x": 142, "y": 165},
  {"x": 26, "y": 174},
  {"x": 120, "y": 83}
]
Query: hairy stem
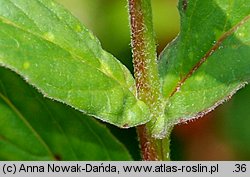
[
  {"x": 153, "y": 149},
  {"x": 147, "y": 78}
]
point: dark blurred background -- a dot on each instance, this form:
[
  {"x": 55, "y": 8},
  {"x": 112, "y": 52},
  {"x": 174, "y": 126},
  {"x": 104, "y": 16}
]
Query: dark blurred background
[{"x": 221, "y": 135}]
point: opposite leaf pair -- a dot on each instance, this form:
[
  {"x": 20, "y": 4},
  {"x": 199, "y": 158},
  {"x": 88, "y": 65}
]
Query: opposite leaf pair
[{"x": 205, "y": 65}]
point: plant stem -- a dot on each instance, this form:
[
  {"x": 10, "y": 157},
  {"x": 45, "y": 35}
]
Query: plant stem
[
  {"x": 147, "y": 78},
  {"x": 151, "y": 148}
]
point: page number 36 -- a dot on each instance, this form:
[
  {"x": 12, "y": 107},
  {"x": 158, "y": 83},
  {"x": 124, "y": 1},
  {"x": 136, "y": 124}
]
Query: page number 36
[{"x": 240, "y": 168}]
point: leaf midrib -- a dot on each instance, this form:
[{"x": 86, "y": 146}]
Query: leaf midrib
[
  {"x": 215, "y": 104},
  {"x": 74, "y": 56},
  {"x": 80, "y": 37},
  {"x": 210, "y": 52}
]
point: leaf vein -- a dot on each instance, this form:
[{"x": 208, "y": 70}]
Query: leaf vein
[
  {"x": 209, "y": 53},
  {"x": 24, "y": 120},
  {"x": 74, "y": 56}
]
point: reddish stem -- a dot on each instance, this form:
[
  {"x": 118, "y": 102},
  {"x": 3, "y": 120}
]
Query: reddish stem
[
  {"x": 148, "y": 151},
  {"x": 146, "y": 76}
]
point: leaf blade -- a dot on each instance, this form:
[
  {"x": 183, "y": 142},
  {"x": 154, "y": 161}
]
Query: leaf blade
[
  {"x": 54, "y": 49},
  {"x": 59, "y": 132},
  {"x": 209, "y": 60}
]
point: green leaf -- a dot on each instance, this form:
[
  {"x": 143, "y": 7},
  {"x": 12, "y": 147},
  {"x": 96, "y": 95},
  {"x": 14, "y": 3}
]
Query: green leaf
[
  {"x": 36, "y": 128},
  {"x": 209, "y": 60},
  {"x": 48, "y": 47}
]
